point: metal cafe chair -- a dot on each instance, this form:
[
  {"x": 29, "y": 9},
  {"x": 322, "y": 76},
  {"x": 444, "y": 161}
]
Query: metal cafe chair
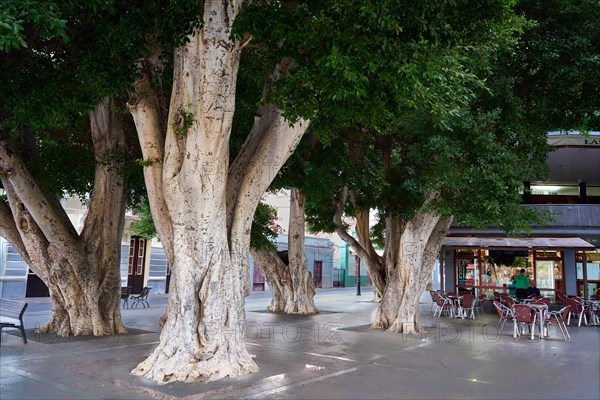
[
  {"x": 479, "y": 302},
  {"x": 433, "y": 294},
  {"x": 577, "y": 308},
  {"x": 466, "y": 302},
  {"x": 443, "y": 304},
  {"x": 559, "y": 318},
  {"x": 524, "y": 315},
  {"x": 504, "y": 313}
]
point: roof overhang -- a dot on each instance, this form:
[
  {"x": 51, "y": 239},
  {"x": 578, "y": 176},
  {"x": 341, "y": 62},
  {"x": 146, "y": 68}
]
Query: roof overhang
[
  {"x": 523, "y": 243},
  {"x": 576, "y": 158}
]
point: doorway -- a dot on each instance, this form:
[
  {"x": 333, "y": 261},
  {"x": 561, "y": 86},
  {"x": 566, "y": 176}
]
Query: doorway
[
  {"x": 35, "y": 286},
  {"x": 318, "y": 274},
  {"x": 137, "y": 264},
  {"x": 258, "y": 279}
]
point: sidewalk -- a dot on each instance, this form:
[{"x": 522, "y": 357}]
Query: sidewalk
[{"x": 332, "y": 355}]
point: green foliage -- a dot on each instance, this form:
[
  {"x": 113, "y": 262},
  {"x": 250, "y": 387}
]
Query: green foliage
[
  {"x": 63, "y": 58},
  {"x": 51, "y": 82},
  {"x": 412, "y": 98},
  {"x": 56, "y": 154},
  {"x": 557, "y": 64},
  {"x": 182, "y": 122},
  {"x": 264, "y": 231},
  {"x": 145, "y": 226},
  {"x": 145, "y": 163},
  {"x": 255, "y": 68},
  {"x": 16, "y": 15},
  {"x": 365, "y": 63},
  {"x": 361, "y": 67}
]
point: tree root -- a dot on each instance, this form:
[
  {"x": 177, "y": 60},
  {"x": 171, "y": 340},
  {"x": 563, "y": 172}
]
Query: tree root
[{"x": 184, "y": 367}]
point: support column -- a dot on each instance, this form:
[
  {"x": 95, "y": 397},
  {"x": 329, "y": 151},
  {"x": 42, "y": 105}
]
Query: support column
[
  {"x": 582, "y": 193},
  {"x": 449, "y": 272},
  {"x": 570, "y": 272},
  {"x": 584, "y": 270}
]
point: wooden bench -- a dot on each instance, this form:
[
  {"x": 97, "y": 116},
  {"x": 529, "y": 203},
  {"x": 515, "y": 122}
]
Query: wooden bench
[{"x": 11, "y": 315}]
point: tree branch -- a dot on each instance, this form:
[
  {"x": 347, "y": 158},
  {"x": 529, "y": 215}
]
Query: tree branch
[
  {"x": 270, "y": 143},
  {"x": 104, "y": 221},
  {"x": 8, "y": 230},
  {"x": 48, "y": 215},
  {"x": 146, "y": 109},
  {"x": 363, "y": 228},
  {"x": 34, "y": 241},
  {"x": 339, "y": 203}
]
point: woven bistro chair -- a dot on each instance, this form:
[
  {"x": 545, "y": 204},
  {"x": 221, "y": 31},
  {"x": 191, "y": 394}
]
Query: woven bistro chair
[
  {"x": 479, "y": 302},
  {"x": 504, "y": 313},
  {"x": 466, "y": 303},
  {"x": 577, "y": 308},
  {"x": 443, "y": 304},
  {"x": 559, "y": 318},
  {"x": 524, "y": 315}
]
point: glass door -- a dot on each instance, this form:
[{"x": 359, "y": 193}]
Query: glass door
[
  {"x": 544, "y": 271},
  {"x": 548, "y": 277},
  {"x": 467, "y": 274}
]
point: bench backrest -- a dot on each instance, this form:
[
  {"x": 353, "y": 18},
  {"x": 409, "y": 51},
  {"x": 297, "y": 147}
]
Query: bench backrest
[
  {"x": 12, "y": 308},
  {"x": 144, "y": 293}
]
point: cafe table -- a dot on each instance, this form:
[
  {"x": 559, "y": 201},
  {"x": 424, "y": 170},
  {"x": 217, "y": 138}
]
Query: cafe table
[
  {"x": 455, "y": 305},
  {"x": 540, "y": 310}
]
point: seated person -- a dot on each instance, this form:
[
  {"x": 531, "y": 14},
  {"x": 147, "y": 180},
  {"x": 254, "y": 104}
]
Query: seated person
[{"x": 532, "y": 289}]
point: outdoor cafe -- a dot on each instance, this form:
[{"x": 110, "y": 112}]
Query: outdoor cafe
[{"x": 561, "y": 274}]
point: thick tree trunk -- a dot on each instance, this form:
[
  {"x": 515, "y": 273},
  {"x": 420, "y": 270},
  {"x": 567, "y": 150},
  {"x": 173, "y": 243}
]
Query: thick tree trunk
[
  {"x": 363, "y": 246},
  {"x": 302, "y": 283},
  {"x": 81, "y": 271},
  {"x": 85, "y": 307},
  {"x": 270, "y": 143},
  {"x": 277, "y": 276},
  {"x": 205, "y": 204},
  {"x": 420, "y": 243},
  {"x": 373, "y": 262},
  {"x": 203, "y": 337}
]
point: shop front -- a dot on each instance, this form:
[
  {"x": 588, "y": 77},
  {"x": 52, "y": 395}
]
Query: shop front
[{"x": 488, "y": 265}]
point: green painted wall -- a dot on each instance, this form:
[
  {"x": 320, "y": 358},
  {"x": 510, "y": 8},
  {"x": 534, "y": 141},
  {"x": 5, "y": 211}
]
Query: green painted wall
[{"x": 351, "y": 280}]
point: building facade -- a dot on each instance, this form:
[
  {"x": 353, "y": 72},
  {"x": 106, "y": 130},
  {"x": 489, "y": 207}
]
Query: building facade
[
  {"x": 562, "y": 256},
  {"x": 144, "y": 263}
]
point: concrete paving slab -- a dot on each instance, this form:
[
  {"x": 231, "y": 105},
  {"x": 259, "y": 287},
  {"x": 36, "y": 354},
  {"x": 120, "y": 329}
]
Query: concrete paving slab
[{"x": 329, "y": 356}]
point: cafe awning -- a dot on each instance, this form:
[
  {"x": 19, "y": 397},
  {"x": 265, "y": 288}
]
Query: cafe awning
[{"x": 523, "y": 243}]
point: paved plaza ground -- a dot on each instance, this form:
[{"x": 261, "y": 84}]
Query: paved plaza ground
[{"x": 328, "y": 356}]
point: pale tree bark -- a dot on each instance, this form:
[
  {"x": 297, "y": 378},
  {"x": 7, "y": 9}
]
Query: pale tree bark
[
  {"x": 208, "y": 206},
  {"x": 148, "y": 112},
  {"x": 81, "y": 271},
  {"x": 420, "y": 242},
  {"x": 362, "y": 246},
  {"x": 271, "y": 142},
  {"x": 376, "y": 271},
  {"x": 277, "y": 276},
  {"x": 302, "y": 299},
  {"x": 9, "y": 230}
]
